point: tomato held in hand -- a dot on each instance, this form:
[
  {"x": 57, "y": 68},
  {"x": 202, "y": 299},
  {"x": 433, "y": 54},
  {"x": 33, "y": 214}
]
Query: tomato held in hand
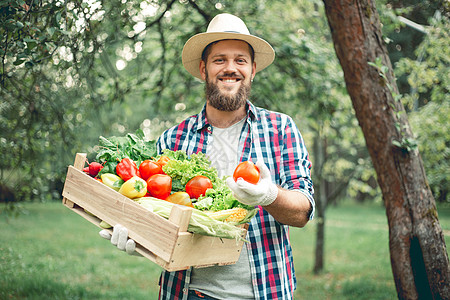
[
  {"x": 247, "y": 171},
  {"x": 198, "y": 185},
  {"x": 159, "y": 186},
  {"x": 148, "y": 168}
]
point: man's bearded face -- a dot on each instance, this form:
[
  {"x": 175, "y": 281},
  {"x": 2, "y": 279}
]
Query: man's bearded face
[{"x": 227, "y": 101}]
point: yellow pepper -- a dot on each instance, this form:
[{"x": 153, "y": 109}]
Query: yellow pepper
[
  {"x": 112, "y": 180},
  {"x": 181, "y": 198},
  {"x": 134, "y": 187}
]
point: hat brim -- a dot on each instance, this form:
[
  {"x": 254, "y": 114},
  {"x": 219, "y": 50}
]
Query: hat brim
[{"x": 192, "y": 50}]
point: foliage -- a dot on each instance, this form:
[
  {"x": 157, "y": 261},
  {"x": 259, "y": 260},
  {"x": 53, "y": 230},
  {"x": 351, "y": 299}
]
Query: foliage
[
  {"x": 428, "y": 75},
  {"x": 306, "y": 81},
  {"x": 421, "y": 65},
  {"x": 429, "y": 105},
  {"x": 402, "y": 39},
  {"x": 75, "y": 70},
  {"x": 38, "y": 75},
  {"x": 58, "y": 81}
]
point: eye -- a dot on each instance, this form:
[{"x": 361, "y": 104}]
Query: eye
[
  {"x": 241, "y": 61},
  {"x": 218, "y": 60}
]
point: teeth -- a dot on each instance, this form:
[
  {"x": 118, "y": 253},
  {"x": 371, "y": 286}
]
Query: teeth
[{"x": 229, "y": 80}]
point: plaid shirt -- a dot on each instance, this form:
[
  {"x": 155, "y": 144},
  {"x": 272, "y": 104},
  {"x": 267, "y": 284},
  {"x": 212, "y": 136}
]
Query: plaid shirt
[{"x": 274, "y": 138}]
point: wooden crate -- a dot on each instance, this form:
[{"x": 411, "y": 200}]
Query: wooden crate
[{"x": 165, "y": 242}]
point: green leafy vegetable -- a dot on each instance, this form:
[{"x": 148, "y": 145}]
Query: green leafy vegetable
[
  {"x": 219, "y": 198},
  {"x": 183, "y": 168},
  {"x": 114, "y": 149}
]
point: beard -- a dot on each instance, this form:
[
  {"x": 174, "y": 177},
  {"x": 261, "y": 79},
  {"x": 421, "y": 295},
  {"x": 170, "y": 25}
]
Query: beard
[{"x": 226, "y": 102}]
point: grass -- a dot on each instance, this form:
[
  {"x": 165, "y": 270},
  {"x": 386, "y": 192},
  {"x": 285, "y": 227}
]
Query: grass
[
  {"x": 356, "y": 256},
  {"x": 52, "y": 253}
]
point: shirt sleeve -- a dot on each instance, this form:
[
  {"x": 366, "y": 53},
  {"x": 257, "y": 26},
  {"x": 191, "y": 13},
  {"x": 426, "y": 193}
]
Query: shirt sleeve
[{"x": 295, "y": 166}]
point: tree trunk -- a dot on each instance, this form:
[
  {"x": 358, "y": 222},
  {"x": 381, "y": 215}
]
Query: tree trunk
[
  {"x": 320, "y": 235},
  {"x": 321, "y": 201},
  {"x": 418, "y": 252}
]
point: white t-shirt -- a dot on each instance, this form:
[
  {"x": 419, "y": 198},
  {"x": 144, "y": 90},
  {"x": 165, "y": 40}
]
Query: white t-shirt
[{"x": 232, "y": 281}]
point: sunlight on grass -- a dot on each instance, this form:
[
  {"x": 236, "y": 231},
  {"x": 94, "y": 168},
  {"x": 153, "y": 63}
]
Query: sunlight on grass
[
  {"x": 52, "y": 253},
  {"x": 356, "y": 251}
]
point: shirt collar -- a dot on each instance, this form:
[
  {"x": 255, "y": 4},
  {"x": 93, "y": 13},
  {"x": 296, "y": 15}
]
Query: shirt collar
[
  {"x": 252, "y": 115},
  {"x": 202, "y": 122},
  {"x": 201, "y": 119}
]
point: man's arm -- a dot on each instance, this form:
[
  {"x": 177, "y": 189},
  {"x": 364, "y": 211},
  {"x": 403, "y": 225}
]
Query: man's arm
[{"x": 290, "y": 207}]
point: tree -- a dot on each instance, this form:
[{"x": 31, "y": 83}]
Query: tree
[
  {"x": 427, "y": 100},
  {"x": 419, "y": 258},
  {"x": 318, "y": 103}
]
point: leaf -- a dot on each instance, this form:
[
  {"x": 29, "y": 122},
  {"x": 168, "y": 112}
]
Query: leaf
[
  {"x": 51, "y": 31},
  {"x": 19, "y": 25},
  {"x": 18, "y": 62},
  {"x": 58, "y": 17},
  {"x": 29, "y": 40},
  {"x": 397, "y": 144}
]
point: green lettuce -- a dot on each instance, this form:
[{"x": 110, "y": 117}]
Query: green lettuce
[{"x": 183, "y": 168}]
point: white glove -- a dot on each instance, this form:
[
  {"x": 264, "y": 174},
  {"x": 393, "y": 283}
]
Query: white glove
[
  {"x": 263, "y": 193},
  {"x": 120, "y": 239}
]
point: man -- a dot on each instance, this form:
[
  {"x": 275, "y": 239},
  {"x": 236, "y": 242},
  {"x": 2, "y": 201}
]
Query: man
[{"x": 230, "y": 129}]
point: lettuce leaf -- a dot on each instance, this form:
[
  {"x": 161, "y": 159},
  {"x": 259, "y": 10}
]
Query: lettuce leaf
[{"x": 183, "y": 168}]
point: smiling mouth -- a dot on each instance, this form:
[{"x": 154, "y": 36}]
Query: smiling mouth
[{"x": 229, "y": 80}]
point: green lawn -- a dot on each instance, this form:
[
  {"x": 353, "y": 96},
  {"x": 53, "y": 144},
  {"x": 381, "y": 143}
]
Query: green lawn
[{"x": 52, "y": 253}]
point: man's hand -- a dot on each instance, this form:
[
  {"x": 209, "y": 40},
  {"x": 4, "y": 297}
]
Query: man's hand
[
  {"x": 263, "y": 193},
  {"x": 120, "y": 239}
]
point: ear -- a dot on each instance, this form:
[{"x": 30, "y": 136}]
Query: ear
[{"x": 202, "y": 67}]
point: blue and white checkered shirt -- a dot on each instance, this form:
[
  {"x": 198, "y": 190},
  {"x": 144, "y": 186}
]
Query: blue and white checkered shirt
[{"x": 274, "y": 138}]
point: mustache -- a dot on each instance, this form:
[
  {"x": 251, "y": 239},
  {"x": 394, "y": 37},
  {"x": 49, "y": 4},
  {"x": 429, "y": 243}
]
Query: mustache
[{"x": 230, "y": 75}]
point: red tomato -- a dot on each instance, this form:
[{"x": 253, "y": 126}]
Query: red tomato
[
  {"x": 197, "y": 186},
  {"x": 247, "y": 171},
  {"x": 148, "y": 168},
  {"x": 159, "y": 186},
  {"x": 163, "y": 160}
]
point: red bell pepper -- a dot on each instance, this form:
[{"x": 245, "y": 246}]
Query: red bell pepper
[{"x": 127, "y": 168}]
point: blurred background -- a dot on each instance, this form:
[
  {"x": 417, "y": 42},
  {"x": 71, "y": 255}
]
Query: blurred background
[{"x": 73, "y": 71}]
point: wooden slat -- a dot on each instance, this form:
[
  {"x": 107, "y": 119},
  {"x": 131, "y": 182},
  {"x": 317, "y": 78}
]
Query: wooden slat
[
  {"x": 214, "y": 251},
  {"x": 180, "y": 215},
  {"x": 153, "y": 232},
  {"x": 80, "y": 161}
]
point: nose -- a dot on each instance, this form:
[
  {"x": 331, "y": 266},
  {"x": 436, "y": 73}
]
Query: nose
[{"x": 230, "y": 67}]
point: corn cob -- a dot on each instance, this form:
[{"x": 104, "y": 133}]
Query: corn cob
[{"x": 236, "y": 214}]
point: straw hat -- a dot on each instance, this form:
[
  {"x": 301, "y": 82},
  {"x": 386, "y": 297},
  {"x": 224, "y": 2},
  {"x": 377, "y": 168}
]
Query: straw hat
[{"x": 225, "y": 27}]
